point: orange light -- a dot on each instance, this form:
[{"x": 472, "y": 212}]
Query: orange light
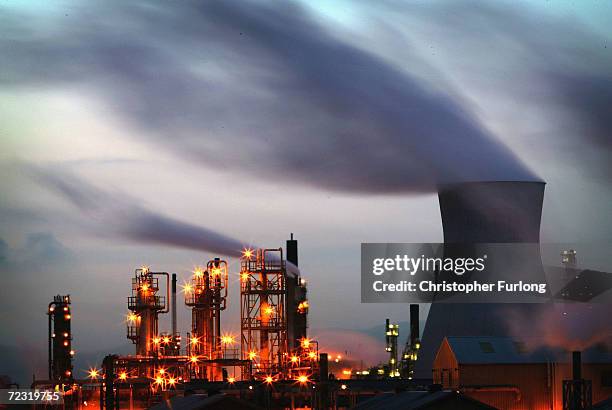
[
  {"x": 247, "y": 253},
  {"x": 65, "y": 308},
  {"x": 187, "y": 288},
  {"x": 269, "y": 379},
  {"x": 156, "y": 340},
  {"x": 252, "y": 355},
  {"x": 132, "y": 317},
  {"x": 194, "y": 340},
  {"x": 172, "y": 381},
  {"x": 166, "y": 339},
  {"x": 198, "y": 273},
  {"x": 228, "y": 340},
  {"x": 68, "y": 372},
  {"x": 312, "y": 355},
  {"x": 65, "y": 334},
  {"x": 346, "y": 372},
  {"x": 72, "y": 353},
  {"x": 194, "y": 359},
  {"x": 145, "y": 287},
  {"x": 305, "y": 343},
  {"x": 231, "y": 379},
  {"x": 51, "y": 309},
  {"x": 162, "y": 371},
  {"x": 294, "y": 359},
  {"x": 216, "y": 271},
  {"x": 268, "y": 310},
  {"x": 302, "y": 378},
  {"x": 123, "y": 376},
  {"x": 65, "y": 342},
  {"x": 159, "y": 380},
  {"x": 93, "y": 373},
  {"x": 343, "y": 387},
  {"x": 67, "y": 317},
  {"x": 244, "y": 276}
]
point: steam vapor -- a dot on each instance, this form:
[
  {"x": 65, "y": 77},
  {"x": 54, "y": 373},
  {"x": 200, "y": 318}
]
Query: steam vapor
[{"x": 120, "y": 215}]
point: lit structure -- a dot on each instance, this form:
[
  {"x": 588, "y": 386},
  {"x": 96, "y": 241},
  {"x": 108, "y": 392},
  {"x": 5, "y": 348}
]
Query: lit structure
[
  {"x": 60, "y": 340},
  {"x": 262, "y": 310},
  {"x": 145, "y": 305},
  {"x": 206, "y": 294},
  {"x": 391, "y": 335}
]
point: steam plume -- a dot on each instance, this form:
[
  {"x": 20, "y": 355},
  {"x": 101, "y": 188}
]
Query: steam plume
[
  {"x": 121, "y": 215},
  {"x": 229, "y": 83}
]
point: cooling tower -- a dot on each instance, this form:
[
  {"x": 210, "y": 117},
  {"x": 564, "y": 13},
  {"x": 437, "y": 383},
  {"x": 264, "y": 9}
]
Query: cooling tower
[{"x": 473, "y": 213}]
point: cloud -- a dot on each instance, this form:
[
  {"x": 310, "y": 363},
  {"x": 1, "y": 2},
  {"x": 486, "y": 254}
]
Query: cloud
[
  {"x": 264, "y": 89},
  {"x": 117, "y": 214}
]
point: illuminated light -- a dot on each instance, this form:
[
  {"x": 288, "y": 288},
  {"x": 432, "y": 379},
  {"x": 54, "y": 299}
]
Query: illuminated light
[
  {"x": 312, "y": 355},
  {"x": 294, "y": 359},
  {"x": 252, "y": 355},
  {"x": 231, "y": 379},
  {"x": 145, "y": 268},
  {"x": 302, "y": 379},
  {"x": 65, "y": 342},
  {"x": 172, "y": 381},
  {"x": 162, "y": 371},
  {"x": 159, "y": 380},
  {"x": 247, "y": 253},
  {"x": 68, "y": 373},
  {"x": 250, "y": 387},
  {"x": 244, "y": 276},
  {"x": 187, "y": 288},
  {"x": 343, "y": 387},
  {"x": 145, "y": 287},
  {"x": 85, "y": 403},
  {"x": 65, "y": 308},
  {"x": 268, "y": 310},
  {"x": 228, "y": 340},
  {"x": 269, "y": 379},
  {"x": 166, "y": 339},
  {"x": 365, "y": 372},
  {"x": 338, "y": 357},
  {"x": 337, "y": 360},
  {"x": 132, "y": 317},
  {"x": 194, "y": 340},
  {"x": 65, "y": 334},
  {"x": 302, "y": 281},
  {"x": 72, "y": 353},
  {"x": 216, "y": 271},
  {"x": 123, "y": 376},
  {"x": 93, "y": 373},
  {"x": 156, "y": 340},
  {"x": 67, "y": 317},
  {"x": 346, "y": 372},
  {"x": 305, "y": 343},
  {"x": 51, "y": 309},
  {"x": 194, "y": 359},
  {"x": 198, "y": 273}
]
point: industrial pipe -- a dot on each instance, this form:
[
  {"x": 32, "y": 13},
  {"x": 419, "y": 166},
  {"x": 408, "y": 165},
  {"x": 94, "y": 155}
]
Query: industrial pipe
[{"x": 173, "y": 304}]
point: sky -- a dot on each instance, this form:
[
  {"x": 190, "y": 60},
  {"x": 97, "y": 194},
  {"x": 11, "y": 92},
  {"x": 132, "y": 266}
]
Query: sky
[{"x": 167, "y": 133}]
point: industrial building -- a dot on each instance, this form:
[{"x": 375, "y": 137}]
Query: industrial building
[{"x": 508, "y": 374}]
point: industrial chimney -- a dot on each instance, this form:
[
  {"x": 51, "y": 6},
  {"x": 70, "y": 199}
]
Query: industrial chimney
[{"x": 482, "y": 213}]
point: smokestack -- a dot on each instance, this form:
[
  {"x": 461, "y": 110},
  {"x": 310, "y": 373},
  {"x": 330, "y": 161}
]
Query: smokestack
[
  {"x": 576, "y": 365},
  {"x": 292, "y": 250},
  {"x": 414, "y": 324},
  {"x": 484, "y": 213},
  {"x": 174, "y": 304},
  {"x": 491, "y": 212}
]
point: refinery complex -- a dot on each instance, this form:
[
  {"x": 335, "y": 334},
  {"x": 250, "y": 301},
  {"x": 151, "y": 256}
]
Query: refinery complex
[{"x": 465, "y": 358}]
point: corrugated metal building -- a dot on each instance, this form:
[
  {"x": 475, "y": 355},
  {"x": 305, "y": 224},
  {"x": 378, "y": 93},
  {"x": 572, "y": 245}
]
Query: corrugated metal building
[{"x": 505, "y": 374}]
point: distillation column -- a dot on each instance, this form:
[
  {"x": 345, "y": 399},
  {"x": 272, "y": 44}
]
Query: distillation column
[{"x": 206, "y": 294}]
